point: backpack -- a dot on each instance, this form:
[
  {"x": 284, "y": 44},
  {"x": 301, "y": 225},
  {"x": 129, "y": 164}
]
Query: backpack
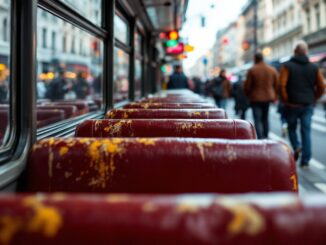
[{"x": 217, "y": 87}]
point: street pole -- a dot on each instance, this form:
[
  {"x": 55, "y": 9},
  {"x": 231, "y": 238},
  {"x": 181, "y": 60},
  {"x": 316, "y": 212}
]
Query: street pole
[{"x": 255, "y": 7}]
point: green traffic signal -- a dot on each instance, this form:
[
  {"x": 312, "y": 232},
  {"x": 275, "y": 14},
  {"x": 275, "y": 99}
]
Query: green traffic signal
[{"x": 172, "y": 43}]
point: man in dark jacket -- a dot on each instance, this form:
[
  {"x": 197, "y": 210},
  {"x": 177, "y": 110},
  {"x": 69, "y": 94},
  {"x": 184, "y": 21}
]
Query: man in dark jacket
[
  {"x": 301, "y": 84},
  {"x": 58, "y": 87},
  {"x": 261, "y": 89},
  {"x": 178, "y": 80}
]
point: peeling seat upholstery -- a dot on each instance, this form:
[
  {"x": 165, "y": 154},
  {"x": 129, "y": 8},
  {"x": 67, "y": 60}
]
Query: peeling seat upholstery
[
  {"x": 171, "y": 219},
  {"x": 198, "y": 128},
  {"x": 140, "y": 105},
  {"x": 167, "y": 113},
  {"x": 160, "y": 165}
]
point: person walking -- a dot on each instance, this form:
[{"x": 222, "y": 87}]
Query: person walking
[
  {"x": 81, "y": 86},
  {"x": 261, "y": 88},
  {"x": 58, "y": 88},
  {"x": 301, "y": 84},
  {"x": 221, "y": 89},
  {"x": 178, "y": 79},
  {"x": 240, "y": 99}
]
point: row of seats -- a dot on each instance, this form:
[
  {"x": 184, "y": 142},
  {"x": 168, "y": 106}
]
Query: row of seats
[{"x": 173, "y": 144}]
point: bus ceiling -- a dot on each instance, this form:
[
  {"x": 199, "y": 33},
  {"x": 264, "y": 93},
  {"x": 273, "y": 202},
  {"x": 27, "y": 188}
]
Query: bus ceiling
[{"x": 160, "y": 15}]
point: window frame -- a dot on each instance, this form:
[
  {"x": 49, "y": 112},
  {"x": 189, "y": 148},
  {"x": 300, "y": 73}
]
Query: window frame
[{"x": 64, "y": 12}]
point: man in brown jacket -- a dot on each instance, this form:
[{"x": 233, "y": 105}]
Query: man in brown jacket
[
  {"x": 301, "y": 84},
  {"x": 261, "y": 89}
]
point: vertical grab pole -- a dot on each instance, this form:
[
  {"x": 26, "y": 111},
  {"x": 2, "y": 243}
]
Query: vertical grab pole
[
  {"x": 132, "y": 26},
  {"x": 108, "y": 11}
]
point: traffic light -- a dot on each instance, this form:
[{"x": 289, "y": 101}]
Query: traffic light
[{"x": 173, "y": 35}]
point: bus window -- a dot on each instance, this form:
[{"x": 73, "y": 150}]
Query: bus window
[
  {"x": 121, "y": 29},
  {"x": 69, "y": 70},
  {"x": 4, "y": 71},
  {"x": 91, "y": 9},
  {"x": 121, "y": 75},
  {"x": 138, "y": 64}
]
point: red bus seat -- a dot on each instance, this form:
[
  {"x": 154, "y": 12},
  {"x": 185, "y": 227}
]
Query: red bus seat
[
  {"x": 48, "y": 116},
  {"x": 160, "y": 165},
  {"x": 69, "y": 110},
  {"x": 171, "y": 219},
  {"x": 140, "y": 105},
  {"x": 225, "y": 128},
  {"x": 82, "y": 106},
  {"x": 173, "y": 100},
  {"x": 3, "y": 123},
  {"x": 167, "y": 113}
]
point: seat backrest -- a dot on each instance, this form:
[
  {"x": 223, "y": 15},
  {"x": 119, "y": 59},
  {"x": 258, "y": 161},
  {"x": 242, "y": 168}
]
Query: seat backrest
[
  {"x": 69, "y": 110},
  {"x": 49, "y": 116},
  {"x": 167, "y": 113},
  {"x": 140, "y": 105},
  {"x": 173, "y": 219},
  {"x": 198, "y": 128},
  {"x": 160, "y": 165}
]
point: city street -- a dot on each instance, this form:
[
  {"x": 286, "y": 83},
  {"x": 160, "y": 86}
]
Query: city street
[{"x": 312, "y": 179}]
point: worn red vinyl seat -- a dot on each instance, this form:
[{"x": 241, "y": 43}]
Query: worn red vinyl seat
[
  {"x": 82, "y": 106},
  {"x": 3, "y": 123},
  {"x": 172, "y": 100},
  {"x": 48, "y": 116},
  {"x": 69, "y": 110},
  {"x": 199, "y": 128},
  {"x": 167, "y": 113},
  {"x": 160, "y": 165},
  {"x": 171, "y": 219},
  {"x": 140, "y": 105}
]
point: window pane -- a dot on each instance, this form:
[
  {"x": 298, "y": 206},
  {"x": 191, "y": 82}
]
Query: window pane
[
  {"x": 138, "y": 45},
  {"x": 4, "y": 70},
  {"x": 121, "y": 72},
  {"x": 69, "y": 68},
  {"x": 121, "y": 29},
  {"x": 90, "y": 9},
  {"x": 138, "y": 78}
]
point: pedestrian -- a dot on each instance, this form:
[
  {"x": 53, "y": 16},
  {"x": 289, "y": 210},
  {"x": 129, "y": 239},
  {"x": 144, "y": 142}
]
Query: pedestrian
[
  {"x": 261, "y": 88},
  {"x": 178, "y": 79},
  {"x": 220, "y": 89},
  {"x": 81, "y": 87},
  {"x": 241, "y": 100},
  {"x": 301, "y": 84},
  {"x": 58, "y": 88}
]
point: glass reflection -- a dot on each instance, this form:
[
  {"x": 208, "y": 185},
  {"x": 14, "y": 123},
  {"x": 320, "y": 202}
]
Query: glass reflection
[
  {"x": 69, "y": 68},
  {"x": 120, "y": 29},
  {"x": 138, "y": 77},
  {"x": 90, "y": 9},
  {"x": 121, "y": 75},
  {"x": 4, "y": 69}
]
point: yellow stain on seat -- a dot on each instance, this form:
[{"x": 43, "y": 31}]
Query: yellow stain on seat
[
  {"x": 9, "y": 226},
  {"x": 46, "y": 219},
  {"x": 186, "y": 208},
  {"x": 146, "y": 141},
  {"x": 100, "y": 151},
  {"x": 245, "y": 219},
  {"x": 294, "y": 180},
  {"x": 231, "y": 153},
  {"x": 116, "y": 198},
  {"x": 196, "y": 113},
  {"x": 63, "y": 150},
  {"x": 201, "y": 147},
  {"x": 149, "y": 207}
]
